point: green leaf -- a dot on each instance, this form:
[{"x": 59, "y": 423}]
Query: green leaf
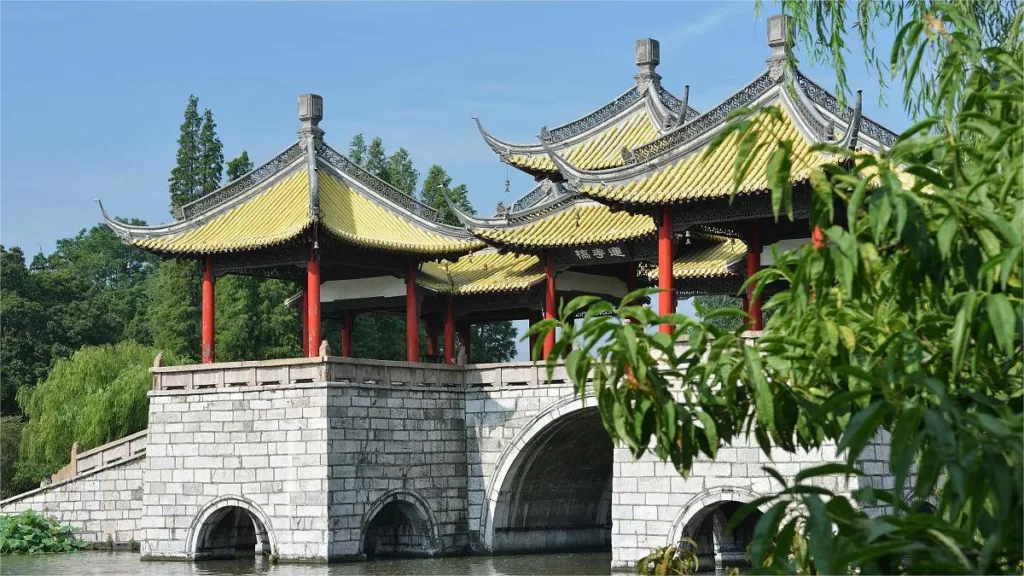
[
  {"x": 861, "y": 429},
  {"x": 762, "y": 392},
  {"x": 829, "y": 469},
  {"x": 1004, "y": 321},
  {"x": 961, "y": 326}
]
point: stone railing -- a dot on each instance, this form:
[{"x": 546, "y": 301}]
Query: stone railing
[
  {"x": 292, "y": 371},
  {"x": 110, "y": 453},
  {"x": 271, "y": 373}
]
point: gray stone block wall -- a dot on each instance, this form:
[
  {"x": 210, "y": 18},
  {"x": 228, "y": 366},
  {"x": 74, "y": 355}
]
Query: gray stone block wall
[
  {"x": 401, "y": 446},
  {"x": 264, "y": 449},
  {"x": 105, "y": 504}
]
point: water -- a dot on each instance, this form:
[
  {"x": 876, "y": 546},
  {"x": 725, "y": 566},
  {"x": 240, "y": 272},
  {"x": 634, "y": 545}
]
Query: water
[{"x": 87, "y": 563}]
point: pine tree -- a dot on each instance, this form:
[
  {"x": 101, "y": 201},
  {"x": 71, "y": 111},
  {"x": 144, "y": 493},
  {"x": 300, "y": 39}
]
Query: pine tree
[
  {"x": 211, "y": 155},
  {"x": 436, "y": 186},
  {"x": 357, "y": 149},
  {"x": 377, "y": 160},
  {"x": 174, "y": 307},
  {"x": 401, "y": 173},
  {"x": 184, "y": 180},
  {"x": 239, "y": 166}
]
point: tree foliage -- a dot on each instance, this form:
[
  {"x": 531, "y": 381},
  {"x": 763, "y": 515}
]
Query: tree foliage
[
  {"x": 96, "y": 396},
  {"x": 902, "y": 320},
  {"x": 32, "y": 533},
  {"x": 238, "y": 167}
]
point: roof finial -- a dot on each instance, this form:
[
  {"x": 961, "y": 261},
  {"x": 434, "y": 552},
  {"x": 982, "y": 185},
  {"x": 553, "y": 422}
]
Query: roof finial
[
  {"x": 778, "y": 41},
  {"x": 648, "y": 56},
  {"x": 311, "y": 112}
]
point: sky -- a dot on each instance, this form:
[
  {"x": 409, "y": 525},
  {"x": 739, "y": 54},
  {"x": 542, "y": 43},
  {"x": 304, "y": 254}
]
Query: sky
[{"x": 92, "y": 94}]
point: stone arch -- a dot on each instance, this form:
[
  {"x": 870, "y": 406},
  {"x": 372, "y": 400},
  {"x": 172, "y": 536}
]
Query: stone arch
[
  {"x": 230, "y": 526},
  {"x": 704, "y": 518},
  {"x": 399, "y": 523},
  {"x": 551, "y": 487}
]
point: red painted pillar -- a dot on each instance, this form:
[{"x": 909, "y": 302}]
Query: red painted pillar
[
  {"x": 304, "y": 314},
  {"x": 449, "y": 333},
  {"x": 432, "y": 337},
  {"x": 549, "y": 301},
  {"x": 208, "y": 306},
  {"x": 753, "y": 265},
  {"x": 666, "y": 296},
  {"x": 412, "y": 329},
  {"x": 346, "y": 334},
  {"x": 313, "y": 304},
  {"x": 466, "y": 337},
  {"x": 533, "y": 319}
]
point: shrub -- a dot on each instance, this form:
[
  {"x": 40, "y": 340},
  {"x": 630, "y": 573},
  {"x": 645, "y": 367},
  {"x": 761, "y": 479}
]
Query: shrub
[{"x": 33, "y": 533}]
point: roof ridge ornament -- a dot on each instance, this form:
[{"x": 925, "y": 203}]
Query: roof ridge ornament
[
  {"x": 648, "y": 56},
  {"x": 781, "y": 46},
  {"x": 853, "y": 129},
  {"x": 545, "y": 134},
  {"x": 311, "y": 112}
]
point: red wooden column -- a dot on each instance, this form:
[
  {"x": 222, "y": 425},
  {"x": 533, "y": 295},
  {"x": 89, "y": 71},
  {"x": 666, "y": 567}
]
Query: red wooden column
[
  {"x": 208, "y": 307},
  {"x": 466, "y": 337},
  {"x": 346, "y": 334},
  {"x": 412, "y": 329},
  {"x": 753, "y": 265},
  {"x": 549, "y": 301},
  {"x": 533, "y": 319},
  {"x": 666, "y": 296},
  {"x": 449, "y": 333},
  {"x": 431, "y": 337},
  {"x": 313, "y": 304},
  {"x": 304, "y": 313}
]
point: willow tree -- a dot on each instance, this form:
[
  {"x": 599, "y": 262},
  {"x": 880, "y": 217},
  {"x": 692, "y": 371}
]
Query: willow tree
[{"x": 904, "y": 315}]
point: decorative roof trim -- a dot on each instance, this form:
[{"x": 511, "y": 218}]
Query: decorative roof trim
[
  {"x": 382, "y": 189},
  {"x": 830, "y": 103},
  {"x": 388, "y": 203},
  {"x": 705, "y": 121},
  {"x": 536, "y": 194},
  {"x": 243, "y": 183},
  {"x": 675, "y": 104},
  {"x": 130, "y": 232},
  {"x": 853, "y": 128},
  {"x": 598, "y": 117},
  {"x": 314, "y": 181}
]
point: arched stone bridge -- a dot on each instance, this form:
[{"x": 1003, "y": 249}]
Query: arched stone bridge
[{"x": 327, "y": 459}]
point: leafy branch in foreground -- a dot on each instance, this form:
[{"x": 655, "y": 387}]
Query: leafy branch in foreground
[{"x": 901, "y": 321}]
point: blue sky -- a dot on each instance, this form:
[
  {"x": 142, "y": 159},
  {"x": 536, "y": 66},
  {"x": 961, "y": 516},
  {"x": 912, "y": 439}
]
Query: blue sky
[{"x": 92, "y": 94}]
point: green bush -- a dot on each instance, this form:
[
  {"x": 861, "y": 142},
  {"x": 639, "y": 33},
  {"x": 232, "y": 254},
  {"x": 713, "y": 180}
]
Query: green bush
[{"x": 33, "y": 533}]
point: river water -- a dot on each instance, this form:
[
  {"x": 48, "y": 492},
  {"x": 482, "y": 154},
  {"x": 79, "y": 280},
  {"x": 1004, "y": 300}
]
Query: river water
[{"x": 89, "y": 563}]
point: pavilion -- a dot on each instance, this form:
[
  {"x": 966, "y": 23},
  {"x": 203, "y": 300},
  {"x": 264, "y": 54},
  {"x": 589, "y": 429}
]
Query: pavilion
[{"x": 626, "y": 196}]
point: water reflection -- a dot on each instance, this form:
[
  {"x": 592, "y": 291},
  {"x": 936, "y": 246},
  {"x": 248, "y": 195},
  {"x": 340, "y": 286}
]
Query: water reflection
[{"x": 90, "y": 563}]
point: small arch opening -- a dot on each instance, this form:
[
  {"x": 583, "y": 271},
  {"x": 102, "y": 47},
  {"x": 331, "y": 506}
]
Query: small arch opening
[
  {"x": 398, "y": 530},
  {"x": 232, "y": 532},
  {"x": 718, "y": 547}
]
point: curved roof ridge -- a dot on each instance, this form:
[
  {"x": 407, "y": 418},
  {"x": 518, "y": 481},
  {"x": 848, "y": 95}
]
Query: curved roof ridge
[
  {"x": 243, "y": 183},
  {"x": 133, "y": 231}
]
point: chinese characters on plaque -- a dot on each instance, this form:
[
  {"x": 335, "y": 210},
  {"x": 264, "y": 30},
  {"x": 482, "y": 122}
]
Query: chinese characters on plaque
[{"x": 599, "y": 254}]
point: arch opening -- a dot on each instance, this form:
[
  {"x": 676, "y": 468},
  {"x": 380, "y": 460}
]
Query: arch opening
[
  {"x": 557, "y": 494},
  {"x": 232, "y": 532},
  {"x": 398, "y": 530},
  {"x": 718, "y": 547}
]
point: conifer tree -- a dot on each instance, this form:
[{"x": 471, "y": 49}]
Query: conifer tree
[
  {"x": 401, "y": 173},
  {"x": 239, "y": 166},
  {"x": 377, "y": 160},
  {"x": 357, "y": 149},
  {"x": 184, "y": 181},
  {"x": 436, "y": 186},
  {"x": 211, "y": 155}
]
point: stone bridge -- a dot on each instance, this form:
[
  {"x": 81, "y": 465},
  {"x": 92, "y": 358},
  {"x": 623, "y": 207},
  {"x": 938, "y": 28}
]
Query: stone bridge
[{"x": 325, "y": 459}]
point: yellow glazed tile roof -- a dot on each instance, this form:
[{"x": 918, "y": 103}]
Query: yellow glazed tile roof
[
  {"x": 710, "y": 175},
  {"x": 277, "y": 214},
  {"x": 359, "y": 220},
  {"x": 600, "y": 151},
  {"x": 482, "y": 273},
  {"x": 707, "y": 261},
  {"x": 579, "y": 225}
]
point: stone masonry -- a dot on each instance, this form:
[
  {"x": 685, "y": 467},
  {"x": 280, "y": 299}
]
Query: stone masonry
[{"x": 321, "y": 453}]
